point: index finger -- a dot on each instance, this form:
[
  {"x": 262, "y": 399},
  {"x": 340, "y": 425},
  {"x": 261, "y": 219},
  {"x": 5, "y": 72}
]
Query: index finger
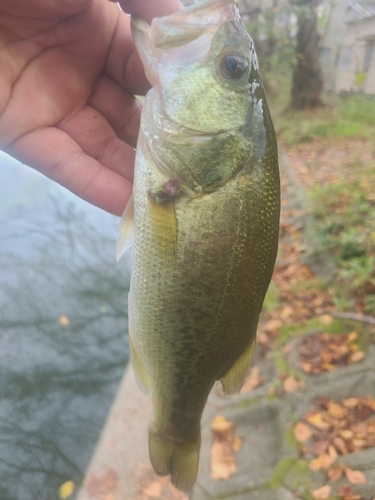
[{"x": 123, "y": 63}]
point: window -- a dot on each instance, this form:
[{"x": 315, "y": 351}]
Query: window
[
  {"x": 369, "y": 52},
  {"x": 345, "y": 60}
]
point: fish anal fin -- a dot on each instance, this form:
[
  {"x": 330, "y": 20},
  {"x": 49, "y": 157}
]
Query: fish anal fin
[
  {"x": 141, "y": 375},
  {"x": 125, "y": 229},
  {"x": 236, "y": 375}
]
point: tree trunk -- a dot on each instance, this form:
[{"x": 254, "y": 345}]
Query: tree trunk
[{"x": 307, "y": 77}]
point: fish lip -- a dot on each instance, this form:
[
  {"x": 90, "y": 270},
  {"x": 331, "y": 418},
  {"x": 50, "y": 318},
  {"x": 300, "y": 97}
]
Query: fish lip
[{"x": 191, "y": 22}]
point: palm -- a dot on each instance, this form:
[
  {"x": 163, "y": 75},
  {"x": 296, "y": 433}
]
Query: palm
[{"x": 67, "y": 78}]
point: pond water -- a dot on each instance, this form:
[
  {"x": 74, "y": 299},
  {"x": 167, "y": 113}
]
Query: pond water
[{"x": 63, "y": 324}]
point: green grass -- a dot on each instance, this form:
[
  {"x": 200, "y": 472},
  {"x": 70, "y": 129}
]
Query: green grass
[
  {"x": 343, "y": 228},
  {"x": 340, "y": 118}
]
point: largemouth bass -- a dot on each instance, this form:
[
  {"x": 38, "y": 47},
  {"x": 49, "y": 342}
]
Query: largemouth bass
[{"x": 206, "y": 212}]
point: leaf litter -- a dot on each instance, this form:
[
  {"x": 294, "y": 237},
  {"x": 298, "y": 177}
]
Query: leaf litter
[{"x": 330, "y": 429}]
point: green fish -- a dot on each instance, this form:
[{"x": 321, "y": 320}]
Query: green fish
[{"x": 206, "y": 221}]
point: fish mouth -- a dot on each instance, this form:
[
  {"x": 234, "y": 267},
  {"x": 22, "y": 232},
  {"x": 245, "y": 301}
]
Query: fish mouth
[{"x": 190, "y": 23}]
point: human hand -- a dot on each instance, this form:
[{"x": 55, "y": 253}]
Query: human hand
[{"x": 68, "y": 75}]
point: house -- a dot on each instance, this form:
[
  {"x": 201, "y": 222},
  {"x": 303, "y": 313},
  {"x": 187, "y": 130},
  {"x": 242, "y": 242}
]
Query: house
[
  {"x": 356, "y": 64},
  {"x": 348, "y": 46}
]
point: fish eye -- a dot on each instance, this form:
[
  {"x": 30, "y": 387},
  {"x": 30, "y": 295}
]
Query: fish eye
[{"x": 234, "y": 65}]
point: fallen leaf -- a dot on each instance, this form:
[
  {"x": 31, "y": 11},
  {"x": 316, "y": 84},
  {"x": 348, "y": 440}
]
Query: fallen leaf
[
  {"x": 64, "y": 320},
  {"x": 286, "y": 312},
  {"x": 111, "y": 478},
  {"x": 223, "y": 463},
  {"x": 355, "y": 476},
  {"x": 317, "y": 421},
  {"x": 93, "y": 485},
  {"x": 302, "y": 432},
  {"x": 332, "y": 452},
  {"x": 319, "y": 447},
  {"x": 350, "y": 402},
  {"x": 290, "y": 384},
  {"x": 272, "y": 325},
  {"x": 322, "y": 493},
  {"x": 335, "y": 472},
  {"x": 221, "y": 425},
  {"x": 336, "y": 410},
  {"x": 237, "y": 443},
  {"x": 315, "y": 465},
  {"x": 356, "y": 356},
  {"x": 352, "y": 336},
  {"x": 340, "y": 445},
  {"x": 326, "y": 319},
  {"x": 153, "y": 489},
  {"x": 108, "y": 496},
  {"x": 346, "y": 434},
  {"x": 253, "y": 380},
  {"x": 66, "y": 490},
  {"x": 345, "y": 491}
]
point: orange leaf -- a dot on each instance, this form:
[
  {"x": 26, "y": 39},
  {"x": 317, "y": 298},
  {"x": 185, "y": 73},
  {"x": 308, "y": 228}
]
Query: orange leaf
[
  {"x": 317, "y": 421},
  {"x": 322, "y": 493},
  {"x": 335, "y": 472},
  {"x": 221, "y": 425},
  {"x": 153, "y": 489},
  {"x": 350, "y": 402},
  {"x": 356, "y": 356},
  {"x": 336, "y": 410},
  {"x": 223, "y": 464},
  {"x": 272, "y": 325},
  {"x": 355, "y": 476},
  {"x": 302, "y": 432},
  {"x": 290, "y": 384},
  {"x": 111, "y": 478},
  {"x": 326, "y": 319},
  {"x": 237, "y": 443},
  {"x": 253, "y": 380}
]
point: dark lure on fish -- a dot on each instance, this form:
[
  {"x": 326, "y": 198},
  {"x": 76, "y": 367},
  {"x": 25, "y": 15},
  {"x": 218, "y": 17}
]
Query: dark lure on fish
[{"x": 206, "y": 221}]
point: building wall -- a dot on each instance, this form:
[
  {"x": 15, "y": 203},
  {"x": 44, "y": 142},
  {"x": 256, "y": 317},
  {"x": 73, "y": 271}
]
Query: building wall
[
  {"x": 356, "y": 64},
  {"x": 332, "y": 38}
]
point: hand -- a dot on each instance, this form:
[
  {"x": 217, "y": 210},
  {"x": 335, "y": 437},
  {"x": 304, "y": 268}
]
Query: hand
[{"x": 68, "y": 75}]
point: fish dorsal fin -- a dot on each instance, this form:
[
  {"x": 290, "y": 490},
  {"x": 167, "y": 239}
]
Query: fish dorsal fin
[
  {"x": 235, "y": 376},
  {"x": 125, "y": 229}
]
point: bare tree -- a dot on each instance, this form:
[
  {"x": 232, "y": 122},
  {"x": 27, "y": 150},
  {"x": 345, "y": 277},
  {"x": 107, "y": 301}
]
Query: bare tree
[{"x": 307, "y": 78}]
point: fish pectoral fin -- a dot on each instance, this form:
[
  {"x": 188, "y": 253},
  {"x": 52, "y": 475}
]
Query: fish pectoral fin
[
  {"x": 164, "y": 226},
  {"x": 125, "y": 229},
  {"x": 236, "y": 375},
  {"x": 179, "y": 459},
  {"x": 141, "y": 375}
]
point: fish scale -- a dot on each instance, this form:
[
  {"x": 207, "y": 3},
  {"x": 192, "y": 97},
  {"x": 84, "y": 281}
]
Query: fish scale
[{"x": 206, "y": 212}]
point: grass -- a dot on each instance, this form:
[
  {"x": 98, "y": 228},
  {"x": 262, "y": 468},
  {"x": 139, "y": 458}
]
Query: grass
[
  {"x": 340, "y": 118},
  {"x": 344, "y": 229}
]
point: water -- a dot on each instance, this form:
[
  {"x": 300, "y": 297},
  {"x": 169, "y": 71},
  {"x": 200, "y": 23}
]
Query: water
[{"x": 63, "y": 323}]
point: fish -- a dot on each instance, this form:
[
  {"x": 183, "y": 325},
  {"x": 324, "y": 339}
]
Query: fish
[{"x": 203, "y": 221}]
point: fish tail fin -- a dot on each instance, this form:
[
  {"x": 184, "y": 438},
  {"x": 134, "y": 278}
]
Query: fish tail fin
[{"x": 179, "y": 459}]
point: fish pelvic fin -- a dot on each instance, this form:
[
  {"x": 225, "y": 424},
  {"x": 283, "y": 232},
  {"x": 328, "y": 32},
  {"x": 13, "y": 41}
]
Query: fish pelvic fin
[
  {"x": 236, "y": 375},
  {"x": 141, "y": 375},
  {"x": 179, "y": 459},
  {"x": 125, "y": 232}
]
